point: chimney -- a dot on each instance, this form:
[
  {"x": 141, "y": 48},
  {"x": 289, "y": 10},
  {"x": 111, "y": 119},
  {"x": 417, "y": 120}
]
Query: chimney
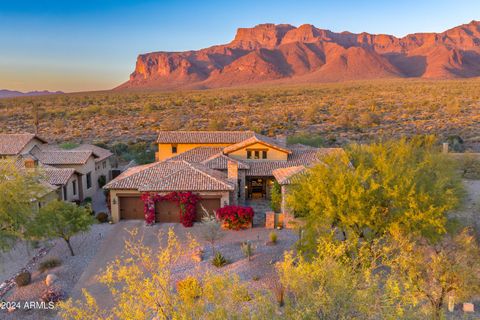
[
  {"x": 445, "y": 147},
  {"x": 30, "y": 163},
  {"x": 232, "y": 170},
  {"x": 282, "y": 139}
]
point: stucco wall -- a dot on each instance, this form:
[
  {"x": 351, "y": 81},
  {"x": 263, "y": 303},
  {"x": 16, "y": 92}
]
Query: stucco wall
[
  {"x": 34, "y": 142},
  {"x": 69, "y": 185},
  {"x": 115, "y": 194},
  {"x": 272, "y": 154},
  {"x": 89, "y": 166},
  {"x": 165, "y": 149}
]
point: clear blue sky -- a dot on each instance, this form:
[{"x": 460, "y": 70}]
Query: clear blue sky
[{"x": 92, "y": 45}]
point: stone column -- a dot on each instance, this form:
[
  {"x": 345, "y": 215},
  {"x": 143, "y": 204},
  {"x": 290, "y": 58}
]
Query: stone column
[{"x": 232, "y": 175}]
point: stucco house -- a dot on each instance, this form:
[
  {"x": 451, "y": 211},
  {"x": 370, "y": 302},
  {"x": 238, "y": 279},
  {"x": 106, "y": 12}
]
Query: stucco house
[
  {"x": 223, "y": 167},
  {"x": 73, "y": 172}
]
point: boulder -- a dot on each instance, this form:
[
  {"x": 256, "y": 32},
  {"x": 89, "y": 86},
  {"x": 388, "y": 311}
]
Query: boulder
[{"x": 50, "y": 279}]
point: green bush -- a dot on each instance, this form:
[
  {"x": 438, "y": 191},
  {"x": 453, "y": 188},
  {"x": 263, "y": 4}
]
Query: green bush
[
  {"x": 49, "y": 264},
  {"x": 23, "y": 279},
  {"x": 102, "y": 181},
  {"x": 273, "y": 237},
  {"x": 276, "y": 197},
  {"x": 219, "y": 260},
  {"x": 102, "y": 217}
]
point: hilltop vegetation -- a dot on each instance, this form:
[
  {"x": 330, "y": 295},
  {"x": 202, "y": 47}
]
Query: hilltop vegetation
[{"x": 338, "y": 112}]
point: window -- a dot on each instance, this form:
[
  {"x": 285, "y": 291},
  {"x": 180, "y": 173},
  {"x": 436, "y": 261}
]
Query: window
[
  {"x": 104, "y": 164},
  {"x": 64, "y": 192},
  {"x": 174, "y": 148},
  {"x": 74, "y": 187},
  {"x": 256, "y": 154},
  {"x": 89, "y": 180}
]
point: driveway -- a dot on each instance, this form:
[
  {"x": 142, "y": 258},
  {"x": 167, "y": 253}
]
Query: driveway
[{"x": 259, "y": 271}]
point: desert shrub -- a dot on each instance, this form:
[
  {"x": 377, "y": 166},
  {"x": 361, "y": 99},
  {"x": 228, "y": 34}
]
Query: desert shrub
[
  {"x": 235, "y": 217},
  {"x": 313, "y": 140},
  {"x": 49, "y": 264},
  {"x": 102, "y": 217},
  {"x": 219, "y": 260},
  {"x": 273, "y": 237},
  {"x": 276, "y": 197},
  {"x": 455, "y": 143},
  {"x": 469, "y": 165},
  {"x": 53, "y": 294},
  {"x": 23, "y": 278},
  {"x": 247, "y": 249},
  {"x": 68, "y": 145},
  {"x": 102, "y": 181}
]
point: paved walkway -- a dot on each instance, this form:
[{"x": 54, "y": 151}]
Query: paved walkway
[{"x": 260, "y": 207}]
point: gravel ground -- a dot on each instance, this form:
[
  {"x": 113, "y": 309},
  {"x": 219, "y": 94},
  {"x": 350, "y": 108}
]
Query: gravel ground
[
  {"x": 15, "y": 259},
  {"x": 85, "y": 247}
]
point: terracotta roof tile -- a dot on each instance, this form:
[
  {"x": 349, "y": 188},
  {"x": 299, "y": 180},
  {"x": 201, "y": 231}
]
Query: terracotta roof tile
[
  {"x": 171, "y": 176},
  {"x": 198, "y": 154},
  {"x": 203, "y": 136},
  {"x": 58, "y": 176},
  {"x": 12, "y": 144},
  {"x": 61, "y": 157},
  {"x": 285, "y": 175},
  {"x": 257, "y": 138},
  {"x": 99, "y": 153},
  {"x": 220, "y": 162}
]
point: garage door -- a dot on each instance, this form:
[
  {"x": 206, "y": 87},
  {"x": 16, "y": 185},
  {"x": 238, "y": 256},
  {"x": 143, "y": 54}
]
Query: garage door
[
  {"x": 131, "y": 208},
  {"x": 211, "y": 205},
  {"x": 167, "y": 211}
]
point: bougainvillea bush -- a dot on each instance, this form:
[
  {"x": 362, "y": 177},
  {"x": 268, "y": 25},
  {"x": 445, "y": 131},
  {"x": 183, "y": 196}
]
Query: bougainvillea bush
[
  {"x": 187, "y": 202},
  {"x": 235, "y": 217}
]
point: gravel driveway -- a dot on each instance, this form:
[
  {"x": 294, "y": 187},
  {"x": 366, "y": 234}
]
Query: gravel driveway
[{"x": 260, "y": 268}]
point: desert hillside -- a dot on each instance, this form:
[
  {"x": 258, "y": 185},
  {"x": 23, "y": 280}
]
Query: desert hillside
[
  {"x": 306, "y": 54},
  {"x": 338, "y": 113}
]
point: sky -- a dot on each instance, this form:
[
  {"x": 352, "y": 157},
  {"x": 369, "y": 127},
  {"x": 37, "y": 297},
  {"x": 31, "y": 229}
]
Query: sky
[{"x": 90, "y": 45}]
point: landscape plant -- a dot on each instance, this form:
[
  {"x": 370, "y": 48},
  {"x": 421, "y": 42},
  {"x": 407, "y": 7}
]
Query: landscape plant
[
  {"x": 219, "y": 260},
  {"x": 276, "y": 197},
  {"x": 247, "y": 249},
  {"x": 235, "y": 217},
  {"x": 62, "y": 219},
  {"x": 211, "y": 229},
  {"x": 147, "y": 290},
  {"x": 369, "y": 190},
  {"x": 20, "y": 191},
  {"x": 49, "y": 263},
  {"x": 273, "y": 237}
]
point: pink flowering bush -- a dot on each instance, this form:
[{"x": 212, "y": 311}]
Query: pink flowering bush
[
  {"x": 235, "y": 217},
  {"x": 187, "y": 202}
]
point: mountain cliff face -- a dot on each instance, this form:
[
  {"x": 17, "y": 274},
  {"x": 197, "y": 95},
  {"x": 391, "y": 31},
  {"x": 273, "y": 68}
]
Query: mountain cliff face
[{"x": 269, "y": 52}]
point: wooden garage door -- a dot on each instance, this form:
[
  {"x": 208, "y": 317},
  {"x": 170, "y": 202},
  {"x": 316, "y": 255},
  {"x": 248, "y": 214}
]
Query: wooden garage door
[
  {"x": 131, "y": 208},
  {"x": 167, "y": 211},
  {"x": 210, "y": 204}
]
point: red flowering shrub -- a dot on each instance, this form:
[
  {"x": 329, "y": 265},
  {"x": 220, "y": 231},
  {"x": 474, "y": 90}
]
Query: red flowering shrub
[
  {"x": 187, "y": 202},
  {"x": 235, "y": 217}
]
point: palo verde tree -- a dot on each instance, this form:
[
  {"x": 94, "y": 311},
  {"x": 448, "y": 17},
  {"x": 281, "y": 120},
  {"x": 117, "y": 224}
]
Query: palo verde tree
[
  {"x": 369, "y": 189},
  {"x": 20, "y": 189},
  {"x": 428, "y": 274},
  {"x": 62, "y": 219}
]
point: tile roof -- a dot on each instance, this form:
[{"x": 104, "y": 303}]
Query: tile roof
[
  {"x": 172, "y": 176},
  {"x": 257, "y": 138},
  {"x": 203, "y": 136},
  {"x": 58, "y": 176},
  {"x": 61, "y": 157},
  {"x": 220, "y": 162},
  {"x": 100, "y": 153},
  {"x": 198, "y": 154},
  {"x": 285, "y": 175},
  {"x": 299, "y": 157},
  {"x": 12, "y": 143}
]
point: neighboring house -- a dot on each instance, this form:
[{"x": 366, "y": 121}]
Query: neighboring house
[
  {"x": 222, "y": 166},
  {"x": 15, "y": 144},
  {"x": 75, "y": 172}
]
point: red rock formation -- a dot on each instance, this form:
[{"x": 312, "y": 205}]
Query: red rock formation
[{"x": 283, "y": 52}]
